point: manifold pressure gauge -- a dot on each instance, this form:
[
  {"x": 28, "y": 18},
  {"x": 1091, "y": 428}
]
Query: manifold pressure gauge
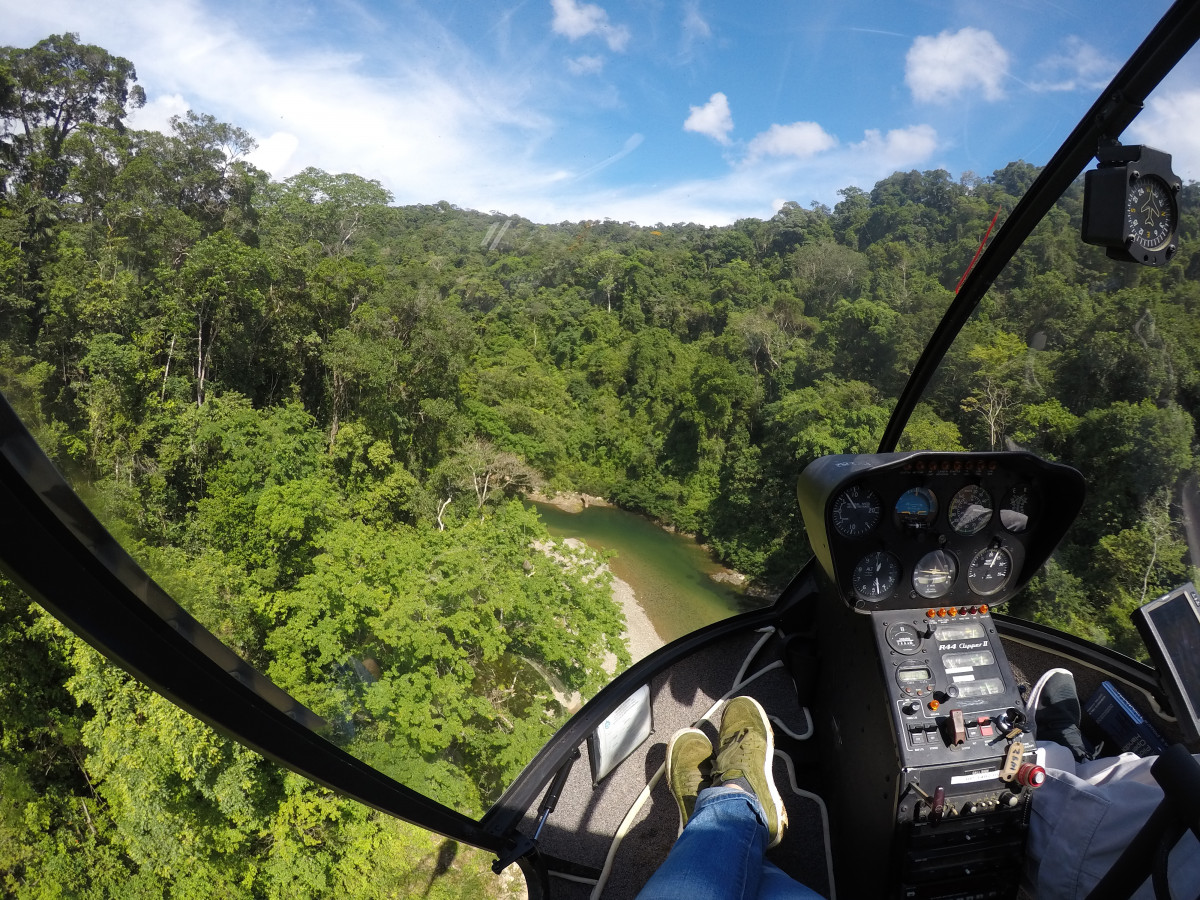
[{"x": 1131, "y": 205}]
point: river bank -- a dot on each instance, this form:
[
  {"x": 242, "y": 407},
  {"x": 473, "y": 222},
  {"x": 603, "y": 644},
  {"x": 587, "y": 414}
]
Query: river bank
[
  {"x": 668, "y": 579},
  {"x": 641, "y": 637},
  {"x": 576, "y": 502}
]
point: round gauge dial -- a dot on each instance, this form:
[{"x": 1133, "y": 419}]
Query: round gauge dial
[
  {"x": 856, "y": 511},
  {"x": 1151, "y": 211},
  {"x": 1017, "y": 509},
  {"x": 989, "y": 571},
  {"x": 876, "y": 576},
  {"x": 970, "y": 510},
  {"x": 916, "y": 508},
  {"x": 934, "y": 575}
]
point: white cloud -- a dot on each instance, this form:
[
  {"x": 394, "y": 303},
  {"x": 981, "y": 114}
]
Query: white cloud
[
  {"x": 430, "y": 128},
  {"x": 695, "y": 26},
  {"x": 156, "y": 114},
  {"x": 904, "y": 147},
  {"x": 751, "y": 189},
  {"x": 574, "y": 20},
  {"x": 1169, "y": 123},
  {"x": 800, "y": 140},
  {"x": 713, "y": 119},
  {"x": 967, "y": 61},
  {"x": 631, "y": 143},
  {"x": 274, "y": 153},
  {"x": 1077, "y": 65},
  {"x": 585, "y": 65}
]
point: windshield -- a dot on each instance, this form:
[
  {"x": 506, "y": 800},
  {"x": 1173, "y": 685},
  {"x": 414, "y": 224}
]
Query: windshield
[{"x": 330, "y": 317}]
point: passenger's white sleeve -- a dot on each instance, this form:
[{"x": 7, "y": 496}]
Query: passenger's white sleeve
[{"x": 1083, "y": 818}]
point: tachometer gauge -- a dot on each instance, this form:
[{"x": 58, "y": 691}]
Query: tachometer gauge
[
  {"x": 1017, "y": 509},
  {"x": 856, "y": 511},
  {"x": 989, "y": 571},
  {"x": 876, "y": 576},
  {"x": 970, "y": 510},
  {"x": 934, "y": 575},
  {"x": 916, "y": 508}
]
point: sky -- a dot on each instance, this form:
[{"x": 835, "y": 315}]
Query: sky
[{"x": 651, "y": 111}]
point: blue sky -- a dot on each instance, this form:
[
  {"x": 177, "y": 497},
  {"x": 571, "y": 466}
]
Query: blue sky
[{"x": 637, "y": 110}]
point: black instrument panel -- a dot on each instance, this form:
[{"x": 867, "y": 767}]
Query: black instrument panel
[{"x": 947, "y": 532}]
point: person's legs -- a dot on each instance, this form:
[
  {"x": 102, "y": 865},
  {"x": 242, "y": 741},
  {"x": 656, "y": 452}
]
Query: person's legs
[
  {"x": 776, "y": 884},
  {"x": 719, "y": 856},
  {"x": 725, "y": 828},
  {"x": 1057, "y": 712}
]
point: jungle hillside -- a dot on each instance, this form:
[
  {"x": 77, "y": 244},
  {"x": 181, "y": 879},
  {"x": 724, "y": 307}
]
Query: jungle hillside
[{"x": 312, "y": 415}]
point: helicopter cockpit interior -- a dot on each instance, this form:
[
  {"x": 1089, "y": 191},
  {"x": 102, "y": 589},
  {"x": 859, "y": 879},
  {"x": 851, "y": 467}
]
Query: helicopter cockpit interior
[{"x": 903, "y": 699}]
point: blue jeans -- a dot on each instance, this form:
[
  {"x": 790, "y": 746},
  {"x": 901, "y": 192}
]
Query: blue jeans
[{"x": 719, "y": 856}]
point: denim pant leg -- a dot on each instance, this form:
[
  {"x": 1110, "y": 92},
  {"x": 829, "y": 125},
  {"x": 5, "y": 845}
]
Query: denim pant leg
[
  {"x": 776, "y": 884},
  {"x": 719, "y": 856}
]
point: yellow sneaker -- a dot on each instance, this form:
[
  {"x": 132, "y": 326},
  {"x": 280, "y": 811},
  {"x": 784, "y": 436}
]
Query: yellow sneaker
[
  {"x": 687, "y": 752},
  {"x": 745, "y": 751}
]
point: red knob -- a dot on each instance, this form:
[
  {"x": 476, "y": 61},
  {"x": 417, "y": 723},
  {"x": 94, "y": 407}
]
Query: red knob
[{"x": 1031, "y": 775}]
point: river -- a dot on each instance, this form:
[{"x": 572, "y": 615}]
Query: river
[{"x": 669, "y": 573}]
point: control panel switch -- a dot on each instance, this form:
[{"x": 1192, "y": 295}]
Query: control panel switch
[
  {"x": 957, "y": 728},
  {"x": 938, "y": 804}
]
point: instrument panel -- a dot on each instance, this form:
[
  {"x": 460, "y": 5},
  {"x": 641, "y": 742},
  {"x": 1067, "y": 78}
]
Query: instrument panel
[{"x": 949, "y": 533}]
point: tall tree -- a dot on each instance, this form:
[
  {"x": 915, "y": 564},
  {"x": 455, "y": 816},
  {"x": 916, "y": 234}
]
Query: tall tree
[{"x": 56, "y": 87}]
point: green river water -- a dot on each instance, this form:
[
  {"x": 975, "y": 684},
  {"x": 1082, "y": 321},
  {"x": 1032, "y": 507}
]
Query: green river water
[{"x": 669, "y": 573}]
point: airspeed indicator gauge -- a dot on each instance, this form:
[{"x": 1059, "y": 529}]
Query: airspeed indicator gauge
[{"x": 856, "y": 511}]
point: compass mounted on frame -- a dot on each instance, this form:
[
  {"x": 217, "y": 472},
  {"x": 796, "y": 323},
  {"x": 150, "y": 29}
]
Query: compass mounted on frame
[{"x": 1131, "y": 204}]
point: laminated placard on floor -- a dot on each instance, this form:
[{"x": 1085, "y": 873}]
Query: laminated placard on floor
[{"x": 621, "y": 733}]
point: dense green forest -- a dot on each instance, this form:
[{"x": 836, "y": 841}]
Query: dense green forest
[{"x": 311, "y": 415}]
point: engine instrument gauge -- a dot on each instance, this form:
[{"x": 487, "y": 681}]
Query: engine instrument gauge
[
  {"x": 876, "y": 576},
  {"x": 1017, "y": 509},
  {"x": 989, "y": 571},
  {"x": 934, "y": 575},
  {"x": 856, "y": 511},
  {"x": 970, "y": 510},
  {"x": 916, "y": 508}
]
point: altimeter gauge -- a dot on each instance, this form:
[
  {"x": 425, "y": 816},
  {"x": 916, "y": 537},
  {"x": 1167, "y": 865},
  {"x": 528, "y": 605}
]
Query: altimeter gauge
[
  {"x": 876, "y": 576},
  {"x": 1130, "y": 204}
]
